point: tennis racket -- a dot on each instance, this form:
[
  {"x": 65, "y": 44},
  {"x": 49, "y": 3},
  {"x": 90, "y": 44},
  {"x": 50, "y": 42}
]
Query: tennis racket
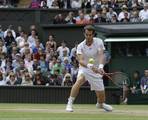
[{"x": 118, "y": 78}]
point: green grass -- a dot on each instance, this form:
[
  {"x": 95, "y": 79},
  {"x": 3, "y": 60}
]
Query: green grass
[{"x": 82, "y": 112}]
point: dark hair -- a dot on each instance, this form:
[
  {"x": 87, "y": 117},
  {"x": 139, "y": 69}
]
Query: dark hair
[{"x": 90, "y": 28}]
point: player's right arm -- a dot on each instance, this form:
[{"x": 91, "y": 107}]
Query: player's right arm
[{"x": 80, "y": 59}]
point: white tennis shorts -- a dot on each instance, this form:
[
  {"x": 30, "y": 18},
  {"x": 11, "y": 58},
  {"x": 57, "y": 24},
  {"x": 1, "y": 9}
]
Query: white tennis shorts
[{"x": 95, "y": 80}]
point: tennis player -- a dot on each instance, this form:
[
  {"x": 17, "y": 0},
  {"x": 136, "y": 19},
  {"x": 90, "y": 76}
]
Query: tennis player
[{"x": 94, "y": 48}]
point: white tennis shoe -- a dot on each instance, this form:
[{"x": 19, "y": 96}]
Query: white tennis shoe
[
  {"x": 105, "y": 106},
  {"x": 69, "y": 108}
]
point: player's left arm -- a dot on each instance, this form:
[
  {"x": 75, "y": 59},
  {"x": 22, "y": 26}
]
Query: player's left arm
[{"x": 101, "y": 58}]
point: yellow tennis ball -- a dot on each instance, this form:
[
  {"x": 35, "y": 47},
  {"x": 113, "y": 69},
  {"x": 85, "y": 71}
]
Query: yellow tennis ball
[{"x": 91, "y": 61}]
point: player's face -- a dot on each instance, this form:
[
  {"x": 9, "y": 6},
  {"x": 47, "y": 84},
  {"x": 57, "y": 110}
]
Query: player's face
[{"x": 89, "y": 35}]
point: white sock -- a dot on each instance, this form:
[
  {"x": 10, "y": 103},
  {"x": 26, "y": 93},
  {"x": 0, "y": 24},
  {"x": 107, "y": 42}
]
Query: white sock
[{"x": 71, "y": 100}]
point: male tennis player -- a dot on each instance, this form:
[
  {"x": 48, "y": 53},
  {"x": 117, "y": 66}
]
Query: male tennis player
[{"x": 94, "y": 48}]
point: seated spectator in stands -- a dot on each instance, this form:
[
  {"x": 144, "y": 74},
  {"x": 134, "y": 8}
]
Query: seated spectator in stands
[
  {"x": 104, "y": 4},
  {"x": 35, "y": 4},
  {"x": 35, "y": 64},
  {"x": 43, "y": 64},
  {"x": 27, "y": 80},
  {"x": 29, "y": 63},
  {"x": 20, "y": 40},
  {"x": 44, "y": 4},
  {"x": 20, "y": 67},
  {"x": 126, "y": 18},
  {"x": 9, "y": 39},
  {"x": 97, "y": 4},
  {"x": 32, "y": 38},
  {"x": 110, "y": 13},
  {"x": 2, "y": 79},
  {"x": 51, "y": 42},
  {"x": 64, "y": 55},
  {"x": 1, "y": 33},
  {"x": 101, "y": 17},
  {"x": 67, "y": 80},
  {"x": 76, "y": 4},
  {"x": 67, "y": 65},
  {"x": 16, "y": 60},
  {"x": 86, "y": 4},
  {"x": 113, "y": 4},
  {"x": 59, "y": 19},
  {"x": 144, "y": 83},
  {"x": 12, "y": 79},
  {"x": 10, "y": 28},
  {"x": 49, "y": 3},
  {"x": 38, "y": 78},
  {"x": 58, "y": 66},
  {"x": 114, "y": 19},
  {"x": 70, "y": 18},
  {"x": 123, "y": 13},
  {"x": 25, "y": 50},
  {"x": 56, "y": 78},
  {"x": 38, "y": 45},
  {"x": 135, "y": 82},
  {"x": 2, "y": 61},
  {"x": 82, "y": 20},
  {"x": 55, "y": 5},
  {"x": 61, "y": 48},
  {"x": 134, "y": 14},
  {"x": 143, "y": 14},
  {"x": 4, "y": 4}
]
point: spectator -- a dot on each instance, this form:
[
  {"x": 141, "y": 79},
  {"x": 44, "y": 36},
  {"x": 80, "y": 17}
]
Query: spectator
[
  {"x": 67, "y": 65},
  {"x": 97, "y": 4},
  {"x": 10, "y": 29},
  {"x": 59, "y": 19},
  {"x": 70, "y": 18},
  {"x": 61, "y": 48},
  {"x": 20, "y": 40},
  {"x": 144, "y": 83},
  {"x": 44, "y": 4},
  {"x": 76, "y": 4},
  {"x": 55, "y": 4},
  {"x": 38, "y": 78},
  {"x": 67, "y": 81},
  {"x": 124, "y": 13},
  {"x": 135, "y": 82},
  {"x": 58, "y": 66},
  {"x": 19, "y": 30},
  {"x": 51, "y": 42},
  {"x": 12, "y": 79},
  {"x": 56, "y": 78},
  {"x": 110, "y": 13},
  {"x": 27, "y": 80},
  {"x": 143, "y": 14},
  {"x": 134, "y": 14},
  {"x": 32, "y": 38},
  {"x": 34, "y": 4},
  {"x": 86, "y": 4}
]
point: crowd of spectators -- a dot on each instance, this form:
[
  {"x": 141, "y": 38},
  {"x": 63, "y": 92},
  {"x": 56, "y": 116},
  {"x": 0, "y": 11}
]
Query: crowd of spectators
[
  {"x": 104, "y": 15},
  {"x": 25, "y": 60}
]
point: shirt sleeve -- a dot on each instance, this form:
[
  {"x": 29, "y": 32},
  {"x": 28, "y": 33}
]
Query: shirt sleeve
[
  {"x": 100, "y": 44},
  {"x": 79, "y": 49}
]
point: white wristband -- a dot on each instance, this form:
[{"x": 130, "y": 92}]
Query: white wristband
[
  {"x": 101, "y": 66},
  {"x": 89, "y": 65}
]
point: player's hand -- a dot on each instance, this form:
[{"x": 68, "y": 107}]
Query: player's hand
[{"x": 101, "y": 71}]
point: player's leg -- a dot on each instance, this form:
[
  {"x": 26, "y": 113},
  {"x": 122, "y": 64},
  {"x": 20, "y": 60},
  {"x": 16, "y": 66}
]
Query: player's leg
[
  {"x": 101, "y": 101},
  {"x": 74, "y": 92}
]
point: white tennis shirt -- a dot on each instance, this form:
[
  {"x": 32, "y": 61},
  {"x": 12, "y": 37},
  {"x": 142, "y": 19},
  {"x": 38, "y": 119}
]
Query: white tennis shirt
[{"x": 91, "y": 51}]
